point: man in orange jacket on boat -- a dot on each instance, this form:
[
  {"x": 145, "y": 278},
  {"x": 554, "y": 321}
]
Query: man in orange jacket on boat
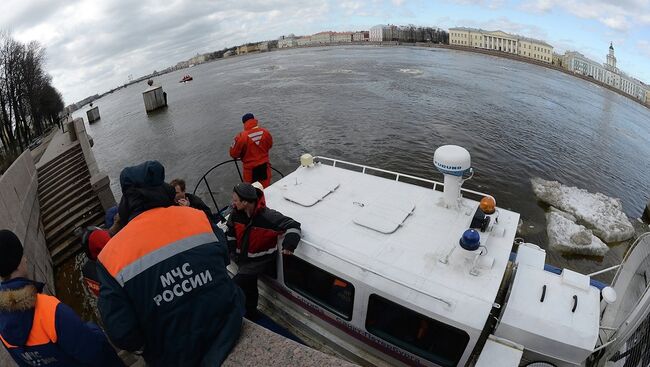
[{"x": 252, "y": 146}]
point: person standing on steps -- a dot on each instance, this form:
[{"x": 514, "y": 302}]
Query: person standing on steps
[{"x": 252, "y": 146}]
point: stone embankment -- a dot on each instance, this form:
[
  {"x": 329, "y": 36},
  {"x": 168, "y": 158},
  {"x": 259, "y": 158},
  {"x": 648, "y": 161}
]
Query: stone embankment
[{"x": 20, "y": 212}]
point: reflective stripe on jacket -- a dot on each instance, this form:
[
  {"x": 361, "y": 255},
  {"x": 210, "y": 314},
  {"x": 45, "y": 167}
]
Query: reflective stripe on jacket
[
  {"x": 165, "y": 288},
  {"x": 256, "y": 237},
  {"x": 39, "y": 330}
]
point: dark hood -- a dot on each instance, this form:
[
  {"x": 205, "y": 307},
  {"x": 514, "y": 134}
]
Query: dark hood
[
  {"x": 137, "y": 200},
  {"x": 17, "y": 301},
  {"x": 145, "y": 175},
  {"x": 143, "y": 188}
]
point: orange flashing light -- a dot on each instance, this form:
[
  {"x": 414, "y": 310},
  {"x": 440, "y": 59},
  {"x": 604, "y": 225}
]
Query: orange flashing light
[{"x": 488, "y": 205}]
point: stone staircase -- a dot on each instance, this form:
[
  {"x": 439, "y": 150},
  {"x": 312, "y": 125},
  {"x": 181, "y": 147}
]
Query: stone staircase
[{"x": 67, "y": 202}]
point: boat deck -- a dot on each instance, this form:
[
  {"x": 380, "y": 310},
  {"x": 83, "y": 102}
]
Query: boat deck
[{"x": 393, "y": 235}]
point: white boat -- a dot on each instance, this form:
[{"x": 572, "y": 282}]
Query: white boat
[{"x": 389, "y": 272}]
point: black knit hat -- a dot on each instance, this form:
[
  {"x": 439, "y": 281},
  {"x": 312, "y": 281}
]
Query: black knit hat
[
  {"x": 247, "y": 117},
  {"x": 245, "y": 191},
  {"x": 11, "y": 252}
]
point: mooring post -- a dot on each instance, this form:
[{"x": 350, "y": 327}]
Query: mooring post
[
  {"x": 93, "y": 114},
  {"x": 154, "y": 98}
]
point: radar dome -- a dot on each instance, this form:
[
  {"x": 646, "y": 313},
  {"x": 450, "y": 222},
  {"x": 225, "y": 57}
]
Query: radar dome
[{"x": 452, "y": 160}]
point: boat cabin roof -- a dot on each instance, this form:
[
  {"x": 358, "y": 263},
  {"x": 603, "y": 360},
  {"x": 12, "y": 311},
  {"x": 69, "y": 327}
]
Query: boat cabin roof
[{"x": 396, "y": 237}]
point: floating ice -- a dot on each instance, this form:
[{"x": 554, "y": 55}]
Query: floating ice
[
  {"x": 600, "y": 213},
  {"x": 564, "y": 234},
  {"x": 411, "y": 71}
]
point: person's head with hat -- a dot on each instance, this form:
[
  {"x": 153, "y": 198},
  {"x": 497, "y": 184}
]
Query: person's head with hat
[
  {"x": 246, "y": 117},
  {"x": 12, "y": 262},
  {"x": 244, "y": 197}
]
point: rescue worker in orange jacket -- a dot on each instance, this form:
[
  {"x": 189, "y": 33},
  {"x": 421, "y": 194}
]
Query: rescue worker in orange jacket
[
  {"x": 252, "y": 146},
  {"x": 164, "y": 287},
  {"x": 39, "y": 330}
]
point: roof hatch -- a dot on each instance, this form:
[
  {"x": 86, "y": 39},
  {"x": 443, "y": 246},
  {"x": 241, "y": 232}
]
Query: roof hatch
[
  {"x": 382, "y": 217},
  {"x": 309, "y": 193}
]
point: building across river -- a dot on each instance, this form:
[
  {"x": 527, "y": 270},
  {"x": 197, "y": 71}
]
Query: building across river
[
  {"x": 606, "y": 73},
  {"x": 501, "y": 41}
]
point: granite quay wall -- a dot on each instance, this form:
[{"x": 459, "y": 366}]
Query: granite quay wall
[
  {"x": 98, "y": 180},
  {"x": 20, "y": 212}
]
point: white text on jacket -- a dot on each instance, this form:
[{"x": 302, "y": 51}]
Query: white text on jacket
[{"x": 179, "y": 281}]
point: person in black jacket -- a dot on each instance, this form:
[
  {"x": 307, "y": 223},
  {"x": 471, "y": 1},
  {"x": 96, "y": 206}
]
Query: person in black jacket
[
  {"x": 164, "y": 287},
  {"x": 183, "y": 198},
  {"x": 253, "y": 233}
]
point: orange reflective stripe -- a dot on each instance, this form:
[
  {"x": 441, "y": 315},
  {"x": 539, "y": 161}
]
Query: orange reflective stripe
[
  {"x": 151, "y": 231},
  {"x": 43, "y": 327},
  {"x": 7, "y": 344}
]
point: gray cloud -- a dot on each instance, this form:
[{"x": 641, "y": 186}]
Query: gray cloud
[{"x": 93, "y": 46}]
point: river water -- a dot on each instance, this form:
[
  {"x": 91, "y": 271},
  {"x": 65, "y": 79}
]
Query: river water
[{"x": 390, "y": 108}]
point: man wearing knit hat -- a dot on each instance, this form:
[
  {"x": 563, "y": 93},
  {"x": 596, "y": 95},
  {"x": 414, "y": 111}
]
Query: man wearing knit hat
[
  {"x": 39, "y": 330},
  {"x": 253, "y": 233},
  {"x": 252, "y": 146}
]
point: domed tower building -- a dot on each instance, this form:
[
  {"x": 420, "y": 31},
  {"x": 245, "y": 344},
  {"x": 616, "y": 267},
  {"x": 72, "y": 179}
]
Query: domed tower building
[
  {"x": 611, "y": 59},
  {"x": 612, "y": 75}
]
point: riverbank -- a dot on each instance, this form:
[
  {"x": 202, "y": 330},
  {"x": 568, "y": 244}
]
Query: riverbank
[{"x": 506, "y": 55}]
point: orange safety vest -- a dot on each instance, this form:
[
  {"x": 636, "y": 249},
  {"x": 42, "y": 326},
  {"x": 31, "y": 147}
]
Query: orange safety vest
[
  {"x": 125, "y": 255},
  {"x": 43, "y": 327}
]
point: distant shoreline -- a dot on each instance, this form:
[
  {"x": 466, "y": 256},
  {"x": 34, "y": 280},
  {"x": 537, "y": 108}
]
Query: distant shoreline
[
  {"x": 549, "y": 66},
  {"x": 479, "y": 51}
]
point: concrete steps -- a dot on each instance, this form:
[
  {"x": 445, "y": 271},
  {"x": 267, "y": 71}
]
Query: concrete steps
[{"x": 67, "y": 202}]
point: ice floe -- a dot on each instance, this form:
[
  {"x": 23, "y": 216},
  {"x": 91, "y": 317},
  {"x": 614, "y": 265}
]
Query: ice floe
[
  {"x": 564, "y": 234},
  {"x": 600, "y": 213},
  {"x": 411, "y": 71}
]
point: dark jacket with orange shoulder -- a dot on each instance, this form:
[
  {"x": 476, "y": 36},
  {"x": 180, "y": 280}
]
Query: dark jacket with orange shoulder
[
  {"x": 256, "y": 238},
  {"x": 252, "y": 145},
  {"x": 165, "y": 289},
  {"x": 39, "y": 330}
]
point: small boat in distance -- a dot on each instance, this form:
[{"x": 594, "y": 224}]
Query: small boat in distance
[{"x": 186, "y": 78}]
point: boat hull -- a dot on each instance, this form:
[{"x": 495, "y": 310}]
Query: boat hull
[{"x": 327, "y": 332}]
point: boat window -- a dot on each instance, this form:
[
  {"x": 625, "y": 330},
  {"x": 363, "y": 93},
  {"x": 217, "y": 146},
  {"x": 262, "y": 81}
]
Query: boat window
[
  {"x": 329, "y": 291},
  {"x": 423, "y": 336}
]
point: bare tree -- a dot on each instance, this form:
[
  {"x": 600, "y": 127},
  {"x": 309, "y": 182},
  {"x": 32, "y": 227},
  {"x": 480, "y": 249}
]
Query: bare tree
[{"x": 29, "y": 104}]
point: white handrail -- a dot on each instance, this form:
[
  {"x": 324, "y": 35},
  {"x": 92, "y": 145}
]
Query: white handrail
[
  {"x": 318, "y": 248},
  {"x": 396, "y": 174}
]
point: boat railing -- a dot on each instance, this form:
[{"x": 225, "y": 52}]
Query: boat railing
[
  {"x": 438, "y": 186},
  {"x": 204, "y": 179},
  {"x": 625, "y": 330}
]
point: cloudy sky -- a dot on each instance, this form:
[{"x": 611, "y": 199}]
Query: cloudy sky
[{"x": 94, "y": 45}]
